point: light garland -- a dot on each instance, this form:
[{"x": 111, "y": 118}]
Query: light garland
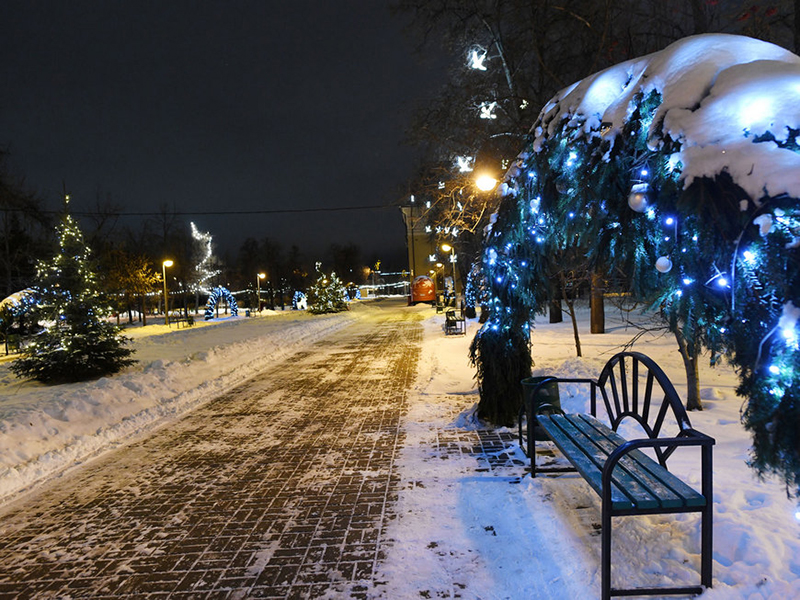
[{"x": 215, "y": 296}]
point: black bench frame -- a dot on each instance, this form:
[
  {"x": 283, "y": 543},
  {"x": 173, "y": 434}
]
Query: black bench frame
[
  {"x": 453, "y": 322},
  {"x": 619, "y": 384}
]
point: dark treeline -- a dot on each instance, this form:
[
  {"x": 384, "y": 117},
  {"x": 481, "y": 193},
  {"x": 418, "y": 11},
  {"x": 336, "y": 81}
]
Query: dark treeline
[{"x": 129, "y": 258}]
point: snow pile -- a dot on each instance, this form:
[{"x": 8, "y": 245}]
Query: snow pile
[
  {"x": 719, "y": 92},
  {"x": 45, "y": 429},
  {"x": 464, "y": 530}
]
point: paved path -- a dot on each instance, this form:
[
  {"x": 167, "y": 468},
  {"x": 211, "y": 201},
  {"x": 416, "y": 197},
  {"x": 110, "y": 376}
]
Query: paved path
[{"x": 279, "y": 489}]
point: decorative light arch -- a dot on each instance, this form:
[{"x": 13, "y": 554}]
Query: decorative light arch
[{"x": 216, "y": 294}]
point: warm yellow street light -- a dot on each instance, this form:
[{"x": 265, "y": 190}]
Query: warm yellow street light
[
  {"x": 164, "y": 265},
  {"x": 258, "y": 287},
  {"x": 486, "y": 183}
]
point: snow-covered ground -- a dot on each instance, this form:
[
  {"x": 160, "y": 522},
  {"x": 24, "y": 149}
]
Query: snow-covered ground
[
  {"x": 45, "y": 429},
  {"x": 460, "y": 531},
  {"x": 480, "y": 535}
]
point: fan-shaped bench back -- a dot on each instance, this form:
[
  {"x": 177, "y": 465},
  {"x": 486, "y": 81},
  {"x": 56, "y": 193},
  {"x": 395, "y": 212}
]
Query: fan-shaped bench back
[{"x": 633, "y": 386}]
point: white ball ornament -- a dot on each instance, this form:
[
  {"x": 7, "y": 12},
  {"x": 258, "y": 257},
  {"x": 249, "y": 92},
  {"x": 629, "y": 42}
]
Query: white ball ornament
[
  {"x": 663, "y": 264},
  {"x": 637, "y": 201}
]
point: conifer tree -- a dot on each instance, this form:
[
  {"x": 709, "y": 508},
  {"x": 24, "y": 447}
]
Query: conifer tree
[
  {"x": 76, "y": 343},
  {"x": 327, "y": 294}
]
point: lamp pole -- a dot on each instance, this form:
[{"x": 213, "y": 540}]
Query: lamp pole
[
  {"x": 164, "y": 265},
  {"x": 258, "y": 292},
  {"x": 451, "y": 250}
]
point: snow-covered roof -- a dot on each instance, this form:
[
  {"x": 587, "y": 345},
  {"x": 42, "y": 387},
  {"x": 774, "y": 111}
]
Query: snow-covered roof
[{"x": 718, "y": 92}]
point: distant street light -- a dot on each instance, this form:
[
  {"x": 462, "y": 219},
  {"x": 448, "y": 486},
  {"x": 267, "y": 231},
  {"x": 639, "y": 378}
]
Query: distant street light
[
  {"x": 486, "y": 183},
  {"x": 452, "y": 251},
  {"x": 164, "y": 265},
  {"x": 258, "y": 287}
]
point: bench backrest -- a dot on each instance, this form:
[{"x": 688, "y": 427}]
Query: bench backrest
[{"x": 633, "y": 386}]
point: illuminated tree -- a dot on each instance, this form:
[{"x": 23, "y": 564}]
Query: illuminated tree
[
  {"x": 675, "y": 171},
  {"x": 77, "y": 343},
  {"x": 327, "y": 295}
]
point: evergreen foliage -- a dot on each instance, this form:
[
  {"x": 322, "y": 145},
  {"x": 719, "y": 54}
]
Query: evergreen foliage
[
  {"x": 327, "y": 295},
  {"x": 76, "y": 343},
  {"x": 728, "y": 280}
]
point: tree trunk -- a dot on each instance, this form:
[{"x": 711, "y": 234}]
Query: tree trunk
[
  {"x": 571, "y": 310},
  {"x": 596, "y": 304},
  {"x": 556, "y": 313},
  {"x": 690, "y": 355}
]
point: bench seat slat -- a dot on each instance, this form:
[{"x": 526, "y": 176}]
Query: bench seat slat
[
  {"x": 634, "y": 495},
  {"x": 643, "y": 483},
  {"x": 583, "y": 463},
  {"x": 673, "y": 492},
  {"x": 652, "y": 488}
]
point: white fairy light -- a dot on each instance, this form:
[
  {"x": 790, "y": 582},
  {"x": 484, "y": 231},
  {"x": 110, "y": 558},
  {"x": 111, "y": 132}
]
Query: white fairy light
[
  {"x": 464, "y": 164},
  {"x": 487, "y": 110},
  {"x": 477, "y": 60}
]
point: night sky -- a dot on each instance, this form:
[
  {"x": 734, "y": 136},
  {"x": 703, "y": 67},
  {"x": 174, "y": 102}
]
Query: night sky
[{"x": 217, "y": 106}]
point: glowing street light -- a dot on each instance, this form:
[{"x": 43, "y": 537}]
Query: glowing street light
[
  {"x": 452, "y": 251},
  {"x": 258, "y": 293},
  {"x": 164, "y": 265},
  {"x": 486, "y": 183}
]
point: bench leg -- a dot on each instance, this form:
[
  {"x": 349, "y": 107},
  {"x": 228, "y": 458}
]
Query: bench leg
[
  {"x": 706, "y": 520},
  {"x": 605, "y": 553}
]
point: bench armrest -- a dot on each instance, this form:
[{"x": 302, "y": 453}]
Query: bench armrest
[{"x": 688, "y": 437}]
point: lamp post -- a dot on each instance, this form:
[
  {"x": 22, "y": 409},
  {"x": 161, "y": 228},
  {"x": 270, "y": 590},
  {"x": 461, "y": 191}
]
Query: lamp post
[
  {"x": 164, "y": 265},
  {"x": 258, "y": 292},
  {"x": 451, "y": 250}
]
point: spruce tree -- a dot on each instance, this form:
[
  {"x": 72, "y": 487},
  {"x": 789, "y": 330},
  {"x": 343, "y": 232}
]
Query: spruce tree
[
  {"x": 327, "y": 295},
  {"x": 76, "y": 343}
]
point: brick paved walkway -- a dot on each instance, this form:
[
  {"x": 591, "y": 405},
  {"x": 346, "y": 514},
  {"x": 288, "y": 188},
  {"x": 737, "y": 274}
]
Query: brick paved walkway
[{"x": 279, "y": 489}]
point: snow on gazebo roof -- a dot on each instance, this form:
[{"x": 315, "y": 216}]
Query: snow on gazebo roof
[{"x": 719, "y": 92}]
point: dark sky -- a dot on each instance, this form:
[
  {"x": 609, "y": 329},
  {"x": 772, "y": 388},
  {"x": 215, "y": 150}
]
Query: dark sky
[{"x": 207, "y": 106}]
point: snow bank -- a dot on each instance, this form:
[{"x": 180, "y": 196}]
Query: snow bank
[{"x": 45, "y": 429}]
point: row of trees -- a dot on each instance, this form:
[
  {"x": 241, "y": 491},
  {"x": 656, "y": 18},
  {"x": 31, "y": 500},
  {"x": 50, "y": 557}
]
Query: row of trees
[{"x": 129, "y": 260}]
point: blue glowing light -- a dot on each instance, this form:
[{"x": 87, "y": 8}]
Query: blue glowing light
[
  {"x": 644, "y": 173},
  {"x": 669, "y": 221},
  {"x": 722, "y": 282},
  {"x": 749, "y": 257},
  {"x": 688, "y": 281},
  {"x": 774, "y": 370}
]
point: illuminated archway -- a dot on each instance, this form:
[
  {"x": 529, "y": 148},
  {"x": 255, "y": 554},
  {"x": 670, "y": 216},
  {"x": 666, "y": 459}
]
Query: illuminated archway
[{"x": 215, "y": 296}]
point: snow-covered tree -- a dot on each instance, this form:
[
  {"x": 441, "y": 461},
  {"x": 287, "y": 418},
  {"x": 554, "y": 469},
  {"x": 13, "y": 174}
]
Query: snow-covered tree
[
  {"x": 76, "y": 343},
  {"x": 677, "y": 173}
]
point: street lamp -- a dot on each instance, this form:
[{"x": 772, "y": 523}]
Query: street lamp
[
  {"x": 258, "y": 293},
  {"x": 164, "y": 265},
  {"x": 486, "y": 183},
  {"x": 452, "y": 251}
]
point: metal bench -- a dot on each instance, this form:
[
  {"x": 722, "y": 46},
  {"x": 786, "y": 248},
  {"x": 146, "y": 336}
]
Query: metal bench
[
  {"x": 628, "y": 481},
  {"x": 181, "y": 319},
  {"x": 454, "y": 322}
]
